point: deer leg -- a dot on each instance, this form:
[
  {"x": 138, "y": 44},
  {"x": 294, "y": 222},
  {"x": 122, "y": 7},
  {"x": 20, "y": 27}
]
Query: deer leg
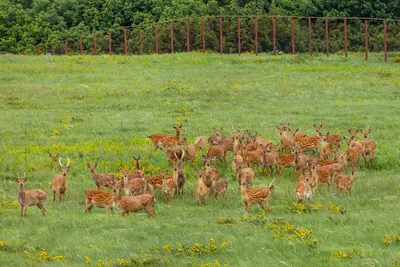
[
  {"x": 40, "y": 206},
  {"x": 54, "y": 195},
  {"x": 22, "y": 210},
  {"x": 25, "y": 209},
  {"x": 261, "y": 205},
  {"x": 249, "y": 204}
]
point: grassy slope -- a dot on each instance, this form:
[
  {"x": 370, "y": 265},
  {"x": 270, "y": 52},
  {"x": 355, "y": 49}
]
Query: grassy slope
[{"x": 102, "y": 108}]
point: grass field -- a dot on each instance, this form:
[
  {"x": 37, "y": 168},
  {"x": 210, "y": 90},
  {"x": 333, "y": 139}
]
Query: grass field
[{"x": 100, "y": 109}]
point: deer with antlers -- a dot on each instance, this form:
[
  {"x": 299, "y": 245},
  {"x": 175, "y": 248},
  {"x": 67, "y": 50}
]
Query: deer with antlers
[
  {"x": 59, "y": 183},
  {"x": 30, "y": 198},
  {"x": 178, "y": 175}
]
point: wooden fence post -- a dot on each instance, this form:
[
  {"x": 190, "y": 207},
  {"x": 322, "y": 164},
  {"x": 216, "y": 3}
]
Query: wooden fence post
[
  {"x": 220, "y": 35},
  {"x": 256, "y": 34},
  {"x": 309, "y": 37},
  {"x": 384, "y": 40},
  {"x": 366, "y": 39},
  {"x": 187, "y": 36},
  {"x": 125, "y": 43},
  {"x": 345, "y": 36},
  {"x": 239, "y": 48},
  {"x": 292, "y": 20},
  {"x": 274, "y": 33},
  {"x": 327, "y": 36}
]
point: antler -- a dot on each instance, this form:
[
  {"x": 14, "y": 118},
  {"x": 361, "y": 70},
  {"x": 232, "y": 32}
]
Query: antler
[
  {"x": 59, "y": 161},
  {"x": 68, "y": 162},
  {"x": 272, "y": 182}
]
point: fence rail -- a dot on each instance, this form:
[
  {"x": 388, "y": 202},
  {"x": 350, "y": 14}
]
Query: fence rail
[{"x": 238, "y": 34}]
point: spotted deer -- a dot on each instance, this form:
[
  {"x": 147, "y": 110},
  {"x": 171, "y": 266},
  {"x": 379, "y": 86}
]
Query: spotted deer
[
  {"x": 165, "y": 140},
  {"x": 352, "y": 152},
  {"x": 215, "y": 139},
  {"x": 98, "y": 198},
  {"x": 369, "y": 147},
  {"x": 168, "y": 187},
  {"x": 220, "y": 187},
  {"x": 190, "y": 150},
  {"x": 209, "y": 171},
  {"x": 270, "y": 159},
  {"x": 30, "y": 197},
  {"x": 200, "y": 142},
  {"x": 138, "y": 173},
  {"x": 300, "y": 160},
  {"x": 133, "y": 203},
  {"x": 303, "y": 188},
  {"x": 218, "y": 151},
  {"x": 286, "y": 138},
  {"x": 102, "y": 179},
  {"x": 326, "y": 148},
  {"x": 345, "y": 183},
  {"x": 59, "y": 182},
  {"x": 244, "y": 174},
  {"x": 200, "y": 190},
  {"x": 285, "y": 161},
  {"x": 332, "y": 139},
  {"x": 258, "y": 195}
]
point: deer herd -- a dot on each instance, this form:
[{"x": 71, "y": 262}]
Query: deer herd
[{"x": 315, "y": 160}]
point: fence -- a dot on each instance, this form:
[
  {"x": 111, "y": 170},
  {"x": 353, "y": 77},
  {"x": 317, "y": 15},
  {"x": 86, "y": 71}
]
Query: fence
[{"x": 239, "y": 34}]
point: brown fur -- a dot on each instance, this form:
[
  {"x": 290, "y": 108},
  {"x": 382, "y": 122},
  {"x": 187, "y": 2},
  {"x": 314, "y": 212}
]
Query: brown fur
[
  {"x": 285, "y": 161},
  {"x": 102, "y": 179},
  {"x": 200, "y": 190},
  {"x": 244, "y": 174},
  {"x": 168, "y": 187},
  {"x": 166, "y": 140},
  {"x": 59, "y": 183},
  {"x": 54, "y": 159},
  {"x": 258, "y": 195},
  {"x": 345, "y": 183},
  {"x": 369, "y": 147},
  {"x": 98, "y": 198},
  {"x": 220, "y": 187},
  {"x": 218, "y": 151},
  {"x": 133, "y": 203},
  {"x": 30, "y": 198},
  {"x": 303, "y": 188}
]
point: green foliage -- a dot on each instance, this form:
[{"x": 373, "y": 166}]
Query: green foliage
[{"x": 25, "y": 24}]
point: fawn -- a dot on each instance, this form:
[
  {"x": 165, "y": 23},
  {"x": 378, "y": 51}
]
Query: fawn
[
  {"x": 300, "y": 160},
  {"x": 369, "y": 147},
  {"x": 285, "y": 161},
  {"x": 190, "y": 150},
  {"x": 332, "y": 139},
  {"x": 30, "y": 197},
  {"x": 346, "y": 182},
  {"x": 133, "y": 203},
  {"x": 168, "y": 187},
  {"x": 352, "y": 152},
  {"x": 303, "y": 188},
  {"x": 270, "y": 159},
  {"x": 209, "y": 172},
  {"x": 165, "y": 140},
  {"x": 59, "y": 183},
  {"x": 326, "y": 148},
  {"x": 286, "y": 139},
  {"x": 138, "y": 173},
  {"x": 258, "y": 195},
  {"x": 200, "y": 142},
  {"x": 102, "y": 179},
  {"x": 215, "y": 139},
  {"x": 219, "y": 152},
  {"x": 244, "y": 174},
  {"x": 220, "y": 187},
  {"x": 200, "y": 190}
]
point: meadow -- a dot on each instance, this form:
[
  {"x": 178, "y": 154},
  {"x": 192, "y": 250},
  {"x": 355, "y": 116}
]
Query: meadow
[{"x": 101, "y": 109}]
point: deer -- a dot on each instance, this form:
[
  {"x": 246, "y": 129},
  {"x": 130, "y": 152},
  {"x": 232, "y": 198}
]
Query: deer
[
  {"x": 30, "y": 198},
  {"x": 253, "y": 157},
  {"x": 178, "y": 175},
  {"x": 237, "y": 159},
  {"x": 300, "y": 160},
  {"x": 355, "y": 144},
  {"x": 200, "y": 190},
  {"x": 102, "y": 179},
  {"x": 53, "y": 159},
  {"x": 209, "y": 172},
  {"x": 286, "y": 139},
  {"x": 98, "y": 198},
  {"x": 309, "y": 143},
  {"x": 244, "y": 174},
  {"x": 303, "y": 188},
  {"x": 215, "y": 139},
  {"x": 345, "y": 183},
  {"x": 352, "y": 152},
  {"x": 59, "y": 182},
  {"x": 270, "y": 159},
  {"x": 168, "y": 187},
  {"x": 138, "y": 173},
  {"x": 332, "y": 139},
  {"x": 323, "y": 174},
  {"x": 285, "y": 161},
  {"x": 172, "y": 153},
  {"x": 258, "y": 195},
  {"x": 190, "y": 150},
  {"x": 133, "y": 203},
  {"x": 165, "y": 140},
  {"x": 156, "y": 181},
  {"x": 326, "y": 148},
  {"x": 369, "y": 147},
  {"x": 219, "y": 152},
  {"x": 220, "y": 187},
  {"x": 200, "y": 142}
]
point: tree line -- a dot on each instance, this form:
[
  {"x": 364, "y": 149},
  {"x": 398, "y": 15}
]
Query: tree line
[{"x": 26, "y": 23}]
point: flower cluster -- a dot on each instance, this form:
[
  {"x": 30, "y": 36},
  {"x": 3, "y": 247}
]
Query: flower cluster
[
  {"x": 391, "y": 240},
  {"x": 42, "y": 256},
  {"x": 8, "y": 203},
  {"x": 345, "y": 255}
]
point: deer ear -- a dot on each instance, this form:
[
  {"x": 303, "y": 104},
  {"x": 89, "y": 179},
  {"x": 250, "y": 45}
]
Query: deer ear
[
  {"x": 174, "y": 127},
  {"x": 95, "y": 164},
  {"x": 50, "y": 155},
  {"x": 180, "y": 126},
  {"x": 59, "y": 167},
  {"x": 25, "y": 179},
  {"x": 16, "y": 180}
]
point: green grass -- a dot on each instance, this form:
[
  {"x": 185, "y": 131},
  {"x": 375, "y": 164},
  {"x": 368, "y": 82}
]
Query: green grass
[{"x": 100, "y": 109}]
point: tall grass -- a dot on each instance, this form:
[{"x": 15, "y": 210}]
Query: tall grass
[{"x": 101, "y": 109}]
